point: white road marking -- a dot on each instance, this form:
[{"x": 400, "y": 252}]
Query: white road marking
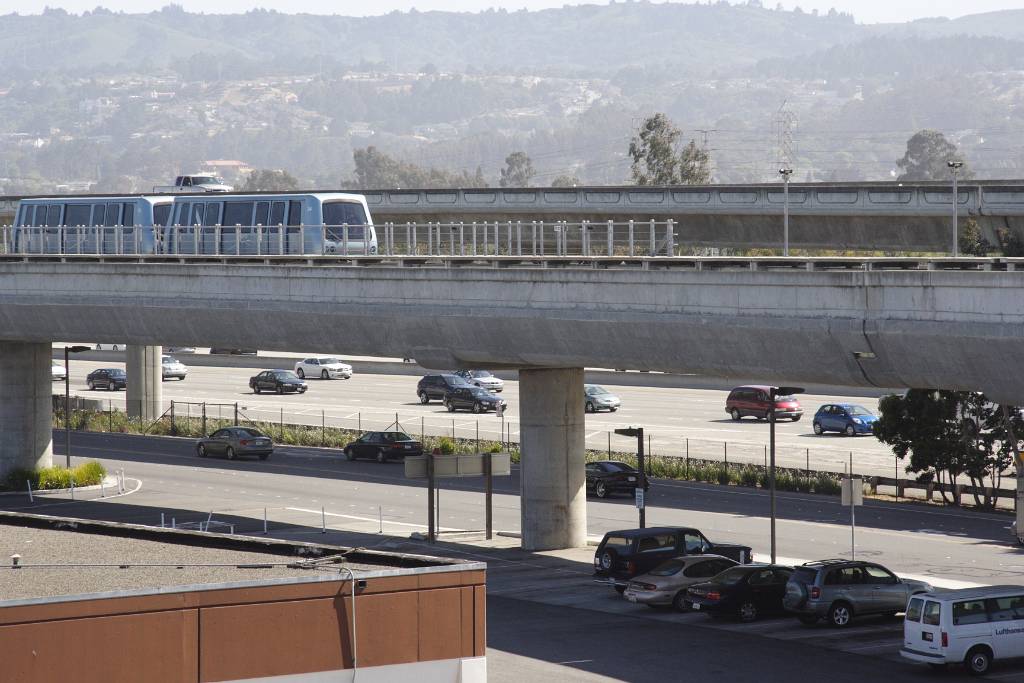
[{"x": 370, "y": 519}]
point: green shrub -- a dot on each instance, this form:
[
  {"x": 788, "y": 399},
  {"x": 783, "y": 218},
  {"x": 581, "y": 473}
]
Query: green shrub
[
  {"x": 54, "y": 478},
  {"x": 447, "y": 445},
  {"x": 826, "y": 484},
  {"x": 724, "y": 475},
  {"x": 749, "y": 476},
  {"x": 89, "y": 473}
]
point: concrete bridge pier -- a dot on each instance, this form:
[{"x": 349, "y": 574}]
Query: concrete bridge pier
[
  {"x": 26, "y": 407},
  {"x": 145, "y": 382},
  {"x": 553, "y": 485}
]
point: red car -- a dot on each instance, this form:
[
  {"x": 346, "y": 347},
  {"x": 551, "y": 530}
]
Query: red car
[{"x": 754, "y": 400}]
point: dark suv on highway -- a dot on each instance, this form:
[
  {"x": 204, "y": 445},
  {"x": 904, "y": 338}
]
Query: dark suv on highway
[
  {"x": 281, "y": 381},
  {"x": 622, "y": 555},
  {"x": 433, "y": 387},
  {"x": 472, "y": 398}
]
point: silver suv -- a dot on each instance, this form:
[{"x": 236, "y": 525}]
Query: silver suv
[{"x": 838, "y": 590}]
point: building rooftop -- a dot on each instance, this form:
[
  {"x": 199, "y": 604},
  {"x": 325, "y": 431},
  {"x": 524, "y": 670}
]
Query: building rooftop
[{"x": 60, "y": 558}]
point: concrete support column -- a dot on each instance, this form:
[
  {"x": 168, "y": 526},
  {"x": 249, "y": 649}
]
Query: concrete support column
[
  {"x": 145, "y": 382},
  {"x": 26, "y": 406},
  {"x": 553, "y": 482}
]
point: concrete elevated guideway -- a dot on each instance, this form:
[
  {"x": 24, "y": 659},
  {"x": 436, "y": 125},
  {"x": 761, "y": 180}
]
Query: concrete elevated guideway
[
  {"x": 881, "y": 216},
  {"x": 940, "y": 323}
]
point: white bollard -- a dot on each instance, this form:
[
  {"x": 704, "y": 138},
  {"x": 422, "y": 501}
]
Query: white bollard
[
  {"x": 72, "y": 489},
  {"x": 380, "y": 520},
  {"x": 103, "y": 491},
  {"x": 264, "y": 521},
  {"x": 29, "y": 491},
  {"x": 162, "y": 525},
  {"x": 323, "y": 521}
]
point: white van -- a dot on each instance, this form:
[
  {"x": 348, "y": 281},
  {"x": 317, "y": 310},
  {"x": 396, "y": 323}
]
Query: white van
[{"x": 975, "y": 626}]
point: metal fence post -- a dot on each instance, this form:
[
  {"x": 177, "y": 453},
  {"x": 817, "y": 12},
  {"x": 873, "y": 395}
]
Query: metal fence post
[
  {"x": 585, "y": 238},
  {"x": 541, "y": 238},
  {"x": 653, "y": 239},
  {"x": 474, "y": 238},
  {"x": 430, "y": 239},
  {"x": 462, "y": 238},
  {"x": 415, "y": 241},
  {"x": 519, "y": 238},
  {"x": 236, "y": 412},
  {"x": 408, "y": 238},
  {"x": 631, "y": 251},
  {"x": 174, "y": 426},
  {"x": 670, "y": 238},
  {"x": 510, "y": 238},
  {"x": 205, "y": 433}
]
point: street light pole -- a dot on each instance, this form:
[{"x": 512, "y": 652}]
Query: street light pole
[
  {"x": 954, "y": 167},
  {"x": 774, "y": 393},
  {"x": 785, "y": 173}
]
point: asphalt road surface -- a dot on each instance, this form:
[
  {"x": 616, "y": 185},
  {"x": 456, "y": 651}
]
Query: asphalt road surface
[
  {"x": 547, "y": 619},
  {"x": 679, "y": 421}
]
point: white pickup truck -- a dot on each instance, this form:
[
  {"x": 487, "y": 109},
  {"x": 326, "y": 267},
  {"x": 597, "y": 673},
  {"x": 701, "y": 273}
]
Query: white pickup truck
[{"x": 195, "y": 183}]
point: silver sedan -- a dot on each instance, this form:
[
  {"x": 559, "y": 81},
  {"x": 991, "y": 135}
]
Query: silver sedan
[
  {"x": 233, "y": 442},
  {"x": 666, "y": 584}
]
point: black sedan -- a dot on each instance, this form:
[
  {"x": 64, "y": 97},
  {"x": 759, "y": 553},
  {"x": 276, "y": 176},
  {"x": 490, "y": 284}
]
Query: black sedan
[
  {"x": 383, "y": 446},
  {"x": 605, "y": 477},
  {"x": 281, "y": 381},
  {"x": 111, "y": 379},
  {"x": 746, "y": 592},
  {"x": 471, "y": 398},
  {"x": 233, "y": 442}
]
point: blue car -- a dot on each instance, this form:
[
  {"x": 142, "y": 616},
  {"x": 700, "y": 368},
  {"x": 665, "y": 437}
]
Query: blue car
[{"x": 846, "y": 418}]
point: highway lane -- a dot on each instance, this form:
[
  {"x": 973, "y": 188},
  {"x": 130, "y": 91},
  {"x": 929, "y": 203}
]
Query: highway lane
[
  {"x": 678, "y": 420},
  {"x": 294, "y": 485}
]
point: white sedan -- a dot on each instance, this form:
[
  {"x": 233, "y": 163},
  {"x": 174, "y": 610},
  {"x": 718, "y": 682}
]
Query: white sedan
[
  {"x": 323, "y": 367},
  {"x": 57, "y": 372}
]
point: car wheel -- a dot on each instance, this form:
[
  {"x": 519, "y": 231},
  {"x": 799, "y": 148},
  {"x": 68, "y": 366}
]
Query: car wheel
[
  {"x": 850, "y": 431},
  {"x": 92, "y": 386},
  {"x": 280, "y": 389},
  {"x": 612, "y": 410},
  {"x": 324, "y": 374},
  {"x": 477, "y": 408},
  {"x": 256, "y": 389},
  {"x": 349, "y": 454},
  {"x": 817, "y": 429},
  {"x": 747, "y": 612},
  {"x": 116, "y": 347},
  {"x": 735, "y": 415},
  {"x": 450, "y": 406},
  {"x": 796, "y": 418},
  {"x": 620, "y": 589},
  {"x": 608, "y": 559},
  {"x": 767, "y": 415},
  {"x": 300, "y": 373},
  {"x": 201, "y": 451},
  {"x": 424, "y": 399},
  {"x": 590, "y": 407},
  {"x": 230, "y": 452},
  {"x": 601, "y": 489},
  {"x": 840, "y": 615},
  {"x": 382, "y": 456},
  {"x": 111, "y": 386},
  {"x": 808, "y": 619},
  {"x": 978, "y": 660},
  {"x": 679, "y": 602}
]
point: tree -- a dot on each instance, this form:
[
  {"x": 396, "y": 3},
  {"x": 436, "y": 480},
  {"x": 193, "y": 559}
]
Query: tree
[
  {"x": 565, "y": 180},
  {"x": 379, "y": 171},
  {"x": 518, "y": 170},
  {"x": 694, "y": 165},
  {"x": 658, "y": 161},
  {"x": 970, "y": 241},
  {"x": 927, "y": 156},
  {"x": 270, "y": 180},
  {"x": 948, "y": 434},
  {"x": 654, "y": 152}
]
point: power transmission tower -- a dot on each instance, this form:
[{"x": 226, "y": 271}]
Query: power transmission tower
[
  {"x": 705, "y": 135},
  {"x": 786, "y": 122}
]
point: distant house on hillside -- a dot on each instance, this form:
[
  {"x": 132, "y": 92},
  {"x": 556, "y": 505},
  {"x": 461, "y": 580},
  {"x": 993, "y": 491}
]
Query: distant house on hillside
[{"x": 231, "y": 170}]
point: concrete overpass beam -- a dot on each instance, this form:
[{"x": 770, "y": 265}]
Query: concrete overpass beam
[
  {"x": 145, "y": 389},
  {"x": 553, "y": 500},
  {"x": 26, "y": 409}
]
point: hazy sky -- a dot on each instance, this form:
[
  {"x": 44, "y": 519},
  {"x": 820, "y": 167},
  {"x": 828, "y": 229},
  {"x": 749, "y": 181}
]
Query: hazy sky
[{"x": 867, "y": 11}]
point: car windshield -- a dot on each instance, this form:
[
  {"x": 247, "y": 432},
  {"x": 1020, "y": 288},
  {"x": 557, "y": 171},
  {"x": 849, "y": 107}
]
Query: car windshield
[
  {"x": 617, "y": 467},
  {"x": 669, "y": 568},
  {"x": 614, "y": 541},
  {"x": 457, "y": 381},
  {"x": 397, "y": 436},
  {"x": 731, "y": 577},
  {"x": 593, "y": 390},
  {"x": 249, "y": 431},
  {"x": 480, "y": 373},
  {"x": 286, "y": 375},
  {"x": 330, "y": 361},
  {"x": 858, "y": 410},
  {"x": 168, "y": 359}
]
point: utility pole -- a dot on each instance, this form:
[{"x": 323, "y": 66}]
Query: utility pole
[
  {"x": 954, "y": 167},
  {"x": 785, "y": 173}
]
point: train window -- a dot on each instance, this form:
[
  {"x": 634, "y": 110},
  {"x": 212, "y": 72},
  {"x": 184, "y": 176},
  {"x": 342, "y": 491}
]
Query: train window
[
  {"x": 77, "y": 214},
  {"x": 295, "y": 213},
  {"x": 181, "y": 218},
  {"x": 343, "y": 213},
  {"x": 277, "y": 213},
  {"x": 111, "y": 216},
  {"x": 198, "y": 212},
  {"x": 238, "y": 213},
  {"x": 212, "y": 213},
  {"x": 161, "y": 212},
  {"x": 262, "y": 213},
  {"x": 98, "y": 212},
  {"x": 128, "y": 215},
  {"x": 53, "y": 215}
]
